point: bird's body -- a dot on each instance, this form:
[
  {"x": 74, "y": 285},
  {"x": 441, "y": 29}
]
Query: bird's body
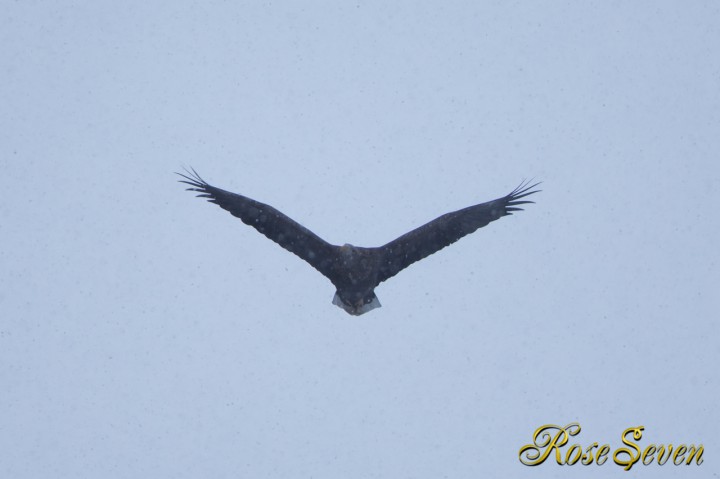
[
  {"x": 356, "y": 271},
  {"x": 356, "y": 275}
]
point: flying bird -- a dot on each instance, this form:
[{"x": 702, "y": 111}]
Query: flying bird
[{"x": 353, "y": 270}]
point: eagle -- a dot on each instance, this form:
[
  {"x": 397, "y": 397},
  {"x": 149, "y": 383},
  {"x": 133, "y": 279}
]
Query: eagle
[{"x": 356, "y": 271}]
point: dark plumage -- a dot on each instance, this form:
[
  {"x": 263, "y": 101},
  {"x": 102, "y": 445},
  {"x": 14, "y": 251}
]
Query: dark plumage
[{"x": 356, "y": 271}]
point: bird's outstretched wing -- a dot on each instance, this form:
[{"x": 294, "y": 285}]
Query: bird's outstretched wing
[
  {"x": 447, "y": 229},
  {"x": 278, "y": 227}
]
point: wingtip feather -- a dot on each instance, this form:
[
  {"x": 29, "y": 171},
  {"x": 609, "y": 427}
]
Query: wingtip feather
[
  {"x": 192, "y": 178},
  {"x": 525, "y": 188}
]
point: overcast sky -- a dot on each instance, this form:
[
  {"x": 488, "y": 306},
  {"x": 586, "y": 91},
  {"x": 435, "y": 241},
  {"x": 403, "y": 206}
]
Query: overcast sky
[{"x": 147, "y": 333}]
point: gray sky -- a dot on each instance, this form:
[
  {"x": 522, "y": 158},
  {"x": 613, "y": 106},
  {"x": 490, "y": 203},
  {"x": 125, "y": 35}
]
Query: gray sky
[{"x": 146, "y": 333}]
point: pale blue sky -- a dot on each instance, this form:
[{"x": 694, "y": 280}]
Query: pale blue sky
[{"x": 146, "y": 333}]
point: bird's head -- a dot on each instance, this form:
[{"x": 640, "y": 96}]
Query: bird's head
[{"x": 356, "y": 303}]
